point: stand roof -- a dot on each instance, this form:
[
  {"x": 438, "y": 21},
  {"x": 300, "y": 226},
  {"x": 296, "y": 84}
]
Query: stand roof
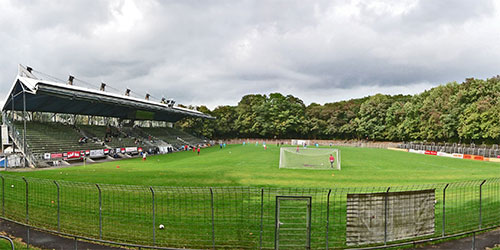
[{"x": 57, "y": 97}]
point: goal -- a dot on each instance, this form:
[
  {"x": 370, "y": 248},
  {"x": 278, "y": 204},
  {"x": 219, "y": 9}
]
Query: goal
[{"x": 309, "y": 158}]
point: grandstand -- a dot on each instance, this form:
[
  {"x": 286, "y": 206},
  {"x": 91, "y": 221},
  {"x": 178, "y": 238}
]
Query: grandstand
[
  {"x": 115, "y": 139},
  {"x": 53, "y": 137},
  {"x": 40, "y": 116},
  {"x": 175, "y": 137}
]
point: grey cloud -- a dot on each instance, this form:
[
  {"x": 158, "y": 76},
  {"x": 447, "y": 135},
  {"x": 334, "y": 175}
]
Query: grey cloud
[
  {"x": 213, "y": 52},
  {"x": 425, "y": 15},
  {"x": 449, "y": 11},
  {"x": 69, "y": 16}
]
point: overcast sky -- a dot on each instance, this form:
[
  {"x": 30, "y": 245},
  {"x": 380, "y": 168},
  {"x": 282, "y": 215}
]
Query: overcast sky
[{"x": 214, "y": 52}]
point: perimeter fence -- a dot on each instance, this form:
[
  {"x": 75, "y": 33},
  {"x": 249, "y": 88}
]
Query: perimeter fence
[
  {"x": 311, "y": 142},
  {"x": 232, "y": 217},
  {"x": 455, "y": 148}
]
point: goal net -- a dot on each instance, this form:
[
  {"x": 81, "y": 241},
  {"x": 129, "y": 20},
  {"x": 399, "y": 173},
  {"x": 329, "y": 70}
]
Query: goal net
[{"x": 309, "y": 158}]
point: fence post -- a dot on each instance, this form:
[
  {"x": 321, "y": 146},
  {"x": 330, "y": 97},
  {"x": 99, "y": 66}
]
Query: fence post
[
  {"x": 27, "y": 203},
  {"x": 213, "y": 225},
  {"x": 444, "y": 208},
  {"x": 481, "y": 203},
  {"x": 154, "y": 224},
  {"x": 261, "y": 217},
  {"x": 100, "y": 211},
  {"x": 385, "y": 215},
  {"x": 327, "y": 216},
  {"x": 3, "y": 196},
  {"x": 58, "y": 209},
  {"x": 27, "y": 214},
  {"x": 473, "y": 241}
]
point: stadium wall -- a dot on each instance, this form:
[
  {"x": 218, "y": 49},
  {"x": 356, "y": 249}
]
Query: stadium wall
[
  {"x": 398, "y": 149},
  {"x": 494, "y": 159},
  {"x": 454, "y": 155}
]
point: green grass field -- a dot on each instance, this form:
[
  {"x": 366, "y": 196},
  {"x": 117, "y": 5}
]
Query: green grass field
[
  {"x": 249, "y": 165},
  {"x": 235, "y": 205}
]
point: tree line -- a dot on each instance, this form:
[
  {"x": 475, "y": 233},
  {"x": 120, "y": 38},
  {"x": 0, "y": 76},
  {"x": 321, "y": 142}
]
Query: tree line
[{"x": 465, "y": 112}]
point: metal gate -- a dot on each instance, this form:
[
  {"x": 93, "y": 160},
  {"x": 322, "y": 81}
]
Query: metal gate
[{"x": 293, "y": 222}]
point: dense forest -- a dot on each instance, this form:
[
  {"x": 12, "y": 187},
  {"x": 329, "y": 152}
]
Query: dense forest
[{"x": 466, "y": 112}]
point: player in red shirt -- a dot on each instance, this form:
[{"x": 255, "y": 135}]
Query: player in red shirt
[
  {"x": 198, "y": 150},
  {"x": 332, "y": 159}
]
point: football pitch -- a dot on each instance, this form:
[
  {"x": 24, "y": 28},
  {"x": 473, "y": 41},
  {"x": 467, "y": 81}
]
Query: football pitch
[
  {"x": 254, "y": 166},
  {"x": 213, "y": 200}
]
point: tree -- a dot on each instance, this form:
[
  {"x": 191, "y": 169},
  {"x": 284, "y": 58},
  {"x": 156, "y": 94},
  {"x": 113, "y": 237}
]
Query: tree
[
  {"x": 452, "y": 112},
  {"x": 371, "y": 117},
  {"x": 246, "y": 122},
  {"x": 224, "y": 125}
]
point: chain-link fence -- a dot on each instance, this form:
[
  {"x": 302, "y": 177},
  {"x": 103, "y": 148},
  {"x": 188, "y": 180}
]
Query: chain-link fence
[{"x": 229, "y": 217}]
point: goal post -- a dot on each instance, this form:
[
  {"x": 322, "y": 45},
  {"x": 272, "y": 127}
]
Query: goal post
[{"x": 309, "y": 158}]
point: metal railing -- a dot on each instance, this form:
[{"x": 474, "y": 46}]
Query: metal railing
[
  {"x": 220, "y": 217},
  {"x": 453, "y": 148},
  {"x": 16, "y": 138},
  {"x": 311, "y": 142},
  {"x": 9, "y": 240}
]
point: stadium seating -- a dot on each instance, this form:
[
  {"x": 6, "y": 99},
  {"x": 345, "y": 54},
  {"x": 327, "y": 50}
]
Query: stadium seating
[
  {"x": 53, "y": 137},
  {"x": 164, "y": 135},
  {"x": 174, "y": 136},
  {"x": 118, "y": 138},
  {"x": 190, "y": 139}
]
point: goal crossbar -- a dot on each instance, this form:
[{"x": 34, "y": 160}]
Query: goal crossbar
[{"x": 309, "y": 158}]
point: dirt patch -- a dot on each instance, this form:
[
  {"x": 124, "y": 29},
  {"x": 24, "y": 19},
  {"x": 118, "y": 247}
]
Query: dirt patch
[
  {"x": 46, "y": 240},
  {"x": 482, "y": 241}
]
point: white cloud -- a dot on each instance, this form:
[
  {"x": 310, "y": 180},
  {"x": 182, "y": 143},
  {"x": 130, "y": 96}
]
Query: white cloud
[{"x": 214, "y": 52}]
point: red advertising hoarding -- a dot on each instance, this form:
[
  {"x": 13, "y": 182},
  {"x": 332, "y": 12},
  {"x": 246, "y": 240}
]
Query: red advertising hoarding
[
  {"x": 73, "y": 155},
  {"x": 56, "y": 155},
  {"x": 478, "y": 157}
]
